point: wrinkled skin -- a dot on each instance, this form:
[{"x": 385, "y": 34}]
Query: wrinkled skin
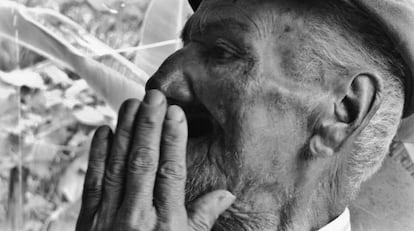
[
  {"x": 136, "y": 177},
  {"x": 258, "y": 123}
]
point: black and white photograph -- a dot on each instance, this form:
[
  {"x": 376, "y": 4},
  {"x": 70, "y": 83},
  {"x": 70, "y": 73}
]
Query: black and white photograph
[{"x": 206, "y": 115}]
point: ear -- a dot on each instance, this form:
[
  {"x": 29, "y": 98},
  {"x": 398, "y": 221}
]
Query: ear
[
  {"x": 357, "y": 102},
  {"x": 194, "y": 4}
]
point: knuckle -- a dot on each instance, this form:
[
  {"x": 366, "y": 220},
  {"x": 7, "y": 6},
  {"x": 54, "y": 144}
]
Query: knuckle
[
  {"x": 97, "y": 160},
  {"x": 124, "y": 131},
  {"x": 172, "y": 170},
  {"x": 112, "y": 181},
  {"x": 116, "y": 167},
  {"x": 165, "y": 226},
  {"x": 114, "y": 173},
  {"x": 172, "y": 138},
  {"x": 144, "y": 161},
  {"x": 93, "y": 192},
  {"x": 96, "y": 166},
  {"x": 130, "y": 218},
  {"x": 93, "y": 186},
  {"x": 148, "y": 122},
  {"x": 199, "y": 222},
  {"x": 144, "y": 153}
]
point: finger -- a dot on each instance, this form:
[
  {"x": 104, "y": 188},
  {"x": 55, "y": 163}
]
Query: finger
[
  {"x": 144, "y": 155},
  {"x": 204, "y": 212},
  {"x": 169, "y": 192},
  {"x": 92, "y": 189},
  {"x": 116, "y": 165}
]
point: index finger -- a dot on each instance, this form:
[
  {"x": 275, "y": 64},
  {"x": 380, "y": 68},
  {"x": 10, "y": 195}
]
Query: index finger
[
  {"x": 144, "y": 153},
  {"x": 169, "y": 195}
]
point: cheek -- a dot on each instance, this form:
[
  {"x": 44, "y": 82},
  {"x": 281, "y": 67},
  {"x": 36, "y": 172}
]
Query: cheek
[
  {"x": 223, "y": 92},
  {"x": 272, "y": 141}
]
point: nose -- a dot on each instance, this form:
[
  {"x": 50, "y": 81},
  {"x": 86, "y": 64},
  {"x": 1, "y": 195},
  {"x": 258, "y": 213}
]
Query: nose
[{"x": 172, "y": 80}]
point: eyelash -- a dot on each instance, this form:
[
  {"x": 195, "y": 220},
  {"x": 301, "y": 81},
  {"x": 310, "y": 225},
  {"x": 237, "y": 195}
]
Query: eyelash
[{"x": 223, "y": 53}]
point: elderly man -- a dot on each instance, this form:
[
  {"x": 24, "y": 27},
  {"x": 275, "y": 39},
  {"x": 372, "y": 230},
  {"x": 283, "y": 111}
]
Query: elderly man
[{"x": 290, "y": 106}]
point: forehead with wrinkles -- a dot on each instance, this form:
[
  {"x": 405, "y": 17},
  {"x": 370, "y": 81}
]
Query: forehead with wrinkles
[
  {"x": 278, "y": 28},
  {"x": 244, "y": 16}
]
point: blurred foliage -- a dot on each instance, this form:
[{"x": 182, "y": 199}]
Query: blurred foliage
[
  {"x": 51, "y": 130},
  {"x": 47, "y": 117},
  {"x": 103, "y": 24},
  {"x": 48, "y": 113},
  {"x": 48, "y": 110}
]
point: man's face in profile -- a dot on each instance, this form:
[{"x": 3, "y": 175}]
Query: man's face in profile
[
  {"x": 236, "y": 79},
  {"x": 255, "y": 93}
]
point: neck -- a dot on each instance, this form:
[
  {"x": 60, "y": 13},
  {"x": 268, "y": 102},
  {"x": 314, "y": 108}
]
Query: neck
[
  {"x": 311, "y": 212},
  {"x": 318, "y": 200}
]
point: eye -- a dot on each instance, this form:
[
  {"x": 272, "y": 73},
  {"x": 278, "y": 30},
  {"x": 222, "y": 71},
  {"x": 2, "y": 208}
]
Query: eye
[{"x": 223, "y": 52}]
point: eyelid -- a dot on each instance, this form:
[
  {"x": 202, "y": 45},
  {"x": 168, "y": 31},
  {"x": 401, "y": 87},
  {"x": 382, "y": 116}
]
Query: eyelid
[{"x": 229, "y": 46}]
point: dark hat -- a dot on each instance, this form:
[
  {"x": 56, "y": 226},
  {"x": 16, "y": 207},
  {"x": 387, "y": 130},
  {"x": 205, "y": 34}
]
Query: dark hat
[
  {"x": 194, "y": 4},
  {"x": 397, "y": 18}
]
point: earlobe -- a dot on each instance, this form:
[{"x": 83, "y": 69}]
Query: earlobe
[
  {"x": 318, "y": 148},
  {"x": 329, "y": 138},
  {"x": 359, "y": 101}
]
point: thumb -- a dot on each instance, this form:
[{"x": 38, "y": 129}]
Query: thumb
[{"x": 204, "y": 212}]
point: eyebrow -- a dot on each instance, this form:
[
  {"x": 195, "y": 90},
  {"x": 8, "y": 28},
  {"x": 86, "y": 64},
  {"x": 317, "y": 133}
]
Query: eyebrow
[{"x": 194, "y": 25}]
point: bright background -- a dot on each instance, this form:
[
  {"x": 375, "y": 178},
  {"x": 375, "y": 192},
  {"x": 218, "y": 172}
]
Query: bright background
[{"x": 65, "y": 68}]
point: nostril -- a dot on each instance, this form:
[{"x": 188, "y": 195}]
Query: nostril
[
  {"x": 172, "y": 101},
  {"x": 153, "y": 83}
]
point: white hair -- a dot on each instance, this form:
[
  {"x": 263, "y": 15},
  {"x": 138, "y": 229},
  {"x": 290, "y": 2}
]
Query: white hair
[{"x": 347, "y": 39}]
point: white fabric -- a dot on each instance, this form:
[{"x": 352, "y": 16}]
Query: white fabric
[{"x": 341, "y": 223}]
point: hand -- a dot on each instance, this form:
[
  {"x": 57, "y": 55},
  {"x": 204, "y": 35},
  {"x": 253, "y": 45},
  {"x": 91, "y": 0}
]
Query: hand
[{"x": 136, "y": 178}]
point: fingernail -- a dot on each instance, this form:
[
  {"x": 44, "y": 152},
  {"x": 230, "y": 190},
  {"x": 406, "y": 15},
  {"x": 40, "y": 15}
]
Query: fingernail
[
  {"x": 175, "y": 113},
  {"x": 226, "y": 197},
  {"x": 154, "y": 97}
]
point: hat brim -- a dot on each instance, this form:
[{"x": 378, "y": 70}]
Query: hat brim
[
  {"x": 194, "y": 4},
  {"x": 397, "y": 17}
]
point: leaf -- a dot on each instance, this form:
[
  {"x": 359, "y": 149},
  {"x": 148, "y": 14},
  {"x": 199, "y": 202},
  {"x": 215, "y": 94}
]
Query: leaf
[
  {"x": 76, "y": 88},
  {"x": 89, "y": 116},
  {"x": 78, "y": 139},
  {"x": 39, "y": 157},
  {"x": 54, "y": 97},
  {"x": 71, "y": 183},
  {"x": 8, "y": 152},
  {"x": 163, "y": 23},
  {"x": 21, "y": 78},
  {"x": 6, "y": 91},
  {"x": 57, "y": 76},
  {"x": 105, "y": 110},
  {"x": 9, "y": 107},
  {"x": 69, "y": 45},
  {"x": 107, "y": 6}
]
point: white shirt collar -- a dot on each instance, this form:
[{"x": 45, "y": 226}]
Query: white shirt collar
[{"x": 341, "y": 223}]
